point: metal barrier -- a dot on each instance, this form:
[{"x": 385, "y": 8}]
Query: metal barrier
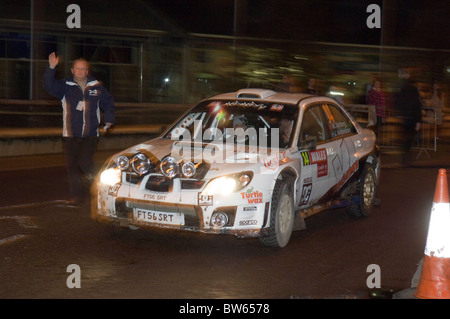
[
  {"x": 427, "y": 138},
  {"x": 389, "y": 133},
  {"x": 30, "y": 127},
  {"x": 48, "y": 113}
]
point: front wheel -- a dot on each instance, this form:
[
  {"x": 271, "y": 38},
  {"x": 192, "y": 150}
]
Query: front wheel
[
  {"x": 281, "y": 216},
  {"x": 366, "y": 191}
]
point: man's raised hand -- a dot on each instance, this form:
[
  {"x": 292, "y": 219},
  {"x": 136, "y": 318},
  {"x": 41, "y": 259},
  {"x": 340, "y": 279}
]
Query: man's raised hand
[{"x": 53, "y": 60}]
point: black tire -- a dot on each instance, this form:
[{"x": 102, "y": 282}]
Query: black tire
[
  {"x": 281, "y": 216},
  {"x": 366, "y": 191}
]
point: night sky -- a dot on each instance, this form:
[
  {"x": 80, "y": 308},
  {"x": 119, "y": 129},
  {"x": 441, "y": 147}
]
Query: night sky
[
  {"x": 408, "y": 23},
  {"x": 418, "y": 23}
]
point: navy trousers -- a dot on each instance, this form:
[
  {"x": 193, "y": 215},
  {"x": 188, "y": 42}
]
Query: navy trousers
[{"x": 79, "y": 162}]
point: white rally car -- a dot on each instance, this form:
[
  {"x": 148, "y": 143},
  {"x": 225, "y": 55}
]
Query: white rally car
[{"x": 253, "y": 163}]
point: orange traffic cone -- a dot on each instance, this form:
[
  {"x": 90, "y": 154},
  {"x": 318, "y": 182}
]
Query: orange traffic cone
[{"x": 435, "y": 278}]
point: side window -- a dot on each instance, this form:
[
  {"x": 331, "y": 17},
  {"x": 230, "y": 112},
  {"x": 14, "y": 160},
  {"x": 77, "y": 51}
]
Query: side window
[
  {"x": 314, "y": 128},
  {"x": 340, "y": 123}
]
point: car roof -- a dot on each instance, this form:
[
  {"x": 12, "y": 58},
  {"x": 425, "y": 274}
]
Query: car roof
[{"x": 263, "y": 95}]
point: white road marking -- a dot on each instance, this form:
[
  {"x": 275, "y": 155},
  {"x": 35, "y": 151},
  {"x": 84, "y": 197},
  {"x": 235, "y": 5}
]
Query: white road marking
[
  {"x": 11, "y": 239},
  {"x": 37, "y": 204},
  {"x": 23, "y": 221}
]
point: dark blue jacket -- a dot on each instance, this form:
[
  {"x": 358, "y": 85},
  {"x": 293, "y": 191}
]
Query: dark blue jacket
[{"x": 79, "y": 121}]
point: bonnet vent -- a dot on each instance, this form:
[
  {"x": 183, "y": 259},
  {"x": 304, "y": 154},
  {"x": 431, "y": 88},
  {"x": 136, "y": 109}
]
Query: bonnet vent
[{"x": 254, "y": 94}]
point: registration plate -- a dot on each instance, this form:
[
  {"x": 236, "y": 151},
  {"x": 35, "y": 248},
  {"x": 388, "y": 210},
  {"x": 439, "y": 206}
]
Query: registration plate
[{"x": 158, "y": 217}]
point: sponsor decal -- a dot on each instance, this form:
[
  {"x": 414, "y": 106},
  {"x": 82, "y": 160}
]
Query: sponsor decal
[
  {"x": 205, "y": 200},
  {"x": 248, "y": 222},
  {"x": 277, "y": 107},
  {"x": 318, "y": 157},
  {"x": 278, "y": 160},
  {"x": 348, "y": 174},
  {"x": 252, "y": 196},
  {"x": 257, "y": 106}
]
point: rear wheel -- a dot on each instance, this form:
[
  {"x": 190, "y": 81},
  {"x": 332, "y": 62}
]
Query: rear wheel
[
  {"x": 367, "y": 191},
  {"x": 281, "y": 216}
]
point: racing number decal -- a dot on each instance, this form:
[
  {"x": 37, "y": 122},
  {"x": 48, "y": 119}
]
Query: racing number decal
[
  {"x": 305, "y": 158},
  {"x": 306, "y": 191}
]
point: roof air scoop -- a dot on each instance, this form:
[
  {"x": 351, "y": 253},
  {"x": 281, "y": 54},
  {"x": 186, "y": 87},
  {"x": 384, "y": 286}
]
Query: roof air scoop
[{"x": 254, "y": 93}]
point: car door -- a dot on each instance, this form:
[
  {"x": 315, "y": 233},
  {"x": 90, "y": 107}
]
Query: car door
[
  {"x": 346, "y": 144},
  {"x": 317, "y": 151}
]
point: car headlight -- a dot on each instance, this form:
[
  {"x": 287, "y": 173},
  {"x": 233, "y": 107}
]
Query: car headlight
[
  {"x": 188, "y": 169},
  {"x": 169, "y": 167},
  {"x": 219, "y": 219},
  {"x": 122, "y": 162},
  {"x": 111, "y": 176},
  {"x": 227, "y": 184},
  {"x": 141, "y": 164}
]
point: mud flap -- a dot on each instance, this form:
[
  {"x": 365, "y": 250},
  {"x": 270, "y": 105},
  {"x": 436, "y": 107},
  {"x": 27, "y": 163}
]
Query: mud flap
[{"x": 299, "y": 221}]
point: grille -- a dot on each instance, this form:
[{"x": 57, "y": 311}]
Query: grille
[
  {"x": 159, "y": 183},
  {"x": 132, "y": 178}
]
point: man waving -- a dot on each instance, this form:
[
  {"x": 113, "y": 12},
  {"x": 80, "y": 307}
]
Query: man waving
[{"x": 82, "y": 98}]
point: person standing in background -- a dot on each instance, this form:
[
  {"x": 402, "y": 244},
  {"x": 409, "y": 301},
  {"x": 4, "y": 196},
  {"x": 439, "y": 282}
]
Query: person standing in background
[
  {"x": 410, "y": 107},
  {"x": 436, "y": 102},
  {"x": 313, "y": 86},
  {"x": 82, "y": 98},
  {"x": 375, "y": 96}
]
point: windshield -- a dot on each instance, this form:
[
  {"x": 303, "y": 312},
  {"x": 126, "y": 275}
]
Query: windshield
[{"x": 239, "y": 122}]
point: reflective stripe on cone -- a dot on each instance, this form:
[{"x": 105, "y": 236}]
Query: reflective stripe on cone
[{"x": 435, "y": 277}]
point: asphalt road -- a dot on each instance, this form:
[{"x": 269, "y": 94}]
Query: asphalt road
[{"x": 39, "y": 240}]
